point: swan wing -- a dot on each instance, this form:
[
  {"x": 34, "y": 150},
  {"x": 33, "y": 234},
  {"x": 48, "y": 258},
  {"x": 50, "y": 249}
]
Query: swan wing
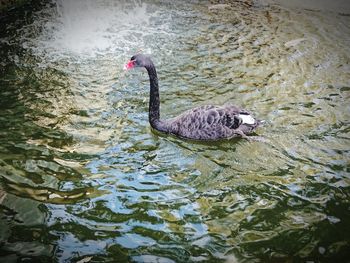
[{"x": 212, "y": 122}]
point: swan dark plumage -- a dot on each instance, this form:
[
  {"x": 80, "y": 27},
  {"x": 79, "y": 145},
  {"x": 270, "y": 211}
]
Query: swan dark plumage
[{"x": 207, "y": 122}]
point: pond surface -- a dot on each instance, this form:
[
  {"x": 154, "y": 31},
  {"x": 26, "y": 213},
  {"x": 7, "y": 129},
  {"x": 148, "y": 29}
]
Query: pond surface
[{"x": 84, "y": 179}]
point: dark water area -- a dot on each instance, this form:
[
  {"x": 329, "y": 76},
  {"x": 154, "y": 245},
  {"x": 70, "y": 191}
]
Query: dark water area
[{"x": 84, "y": 179}]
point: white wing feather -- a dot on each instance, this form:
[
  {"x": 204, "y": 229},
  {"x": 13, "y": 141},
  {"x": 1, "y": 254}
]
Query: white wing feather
[{"x": 247, "y": 119}]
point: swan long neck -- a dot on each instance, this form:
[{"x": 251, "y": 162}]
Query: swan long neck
[{"x": 154, "y": 102}]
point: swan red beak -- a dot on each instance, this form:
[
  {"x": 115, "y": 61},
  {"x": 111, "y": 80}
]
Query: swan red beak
[{"x": 129, "y": 65}]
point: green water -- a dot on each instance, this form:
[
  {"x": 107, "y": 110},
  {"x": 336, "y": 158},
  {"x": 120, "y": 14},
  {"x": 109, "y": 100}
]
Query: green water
[{"x": 84, "y": 179}]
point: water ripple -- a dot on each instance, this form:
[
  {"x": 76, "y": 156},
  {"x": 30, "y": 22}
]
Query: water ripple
[{"x": 83, "y": 178}]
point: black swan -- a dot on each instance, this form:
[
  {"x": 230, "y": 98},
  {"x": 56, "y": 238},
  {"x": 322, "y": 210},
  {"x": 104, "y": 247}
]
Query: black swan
[{"x": 202, "y": 123}]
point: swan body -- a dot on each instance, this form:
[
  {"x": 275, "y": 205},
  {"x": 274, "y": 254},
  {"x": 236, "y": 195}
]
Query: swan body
[{"x": 207, "y": 122}]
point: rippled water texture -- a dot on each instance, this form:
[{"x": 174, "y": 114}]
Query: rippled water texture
[{"x": 84, "y": 179}]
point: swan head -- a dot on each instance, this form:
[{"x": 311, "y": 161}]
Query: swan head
[{"x": 138, "y": 60}]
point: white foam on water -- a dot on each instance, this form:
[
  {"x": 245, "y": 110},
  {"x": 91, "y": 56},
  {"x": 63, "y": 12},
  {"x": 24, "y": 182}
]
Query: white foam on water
[{"x": 87, "y": 28}]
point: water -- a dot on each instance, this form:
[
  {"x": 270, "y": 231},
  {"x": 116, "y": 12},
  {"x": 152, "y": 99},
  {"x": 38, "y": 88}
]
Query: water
[{"x": 84, "y": 179}]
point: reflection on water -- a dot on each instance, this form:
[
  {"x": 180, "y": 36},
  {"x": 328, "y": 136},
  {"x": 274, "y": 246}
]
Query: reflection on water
[{"x": 83, "y": 178}]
